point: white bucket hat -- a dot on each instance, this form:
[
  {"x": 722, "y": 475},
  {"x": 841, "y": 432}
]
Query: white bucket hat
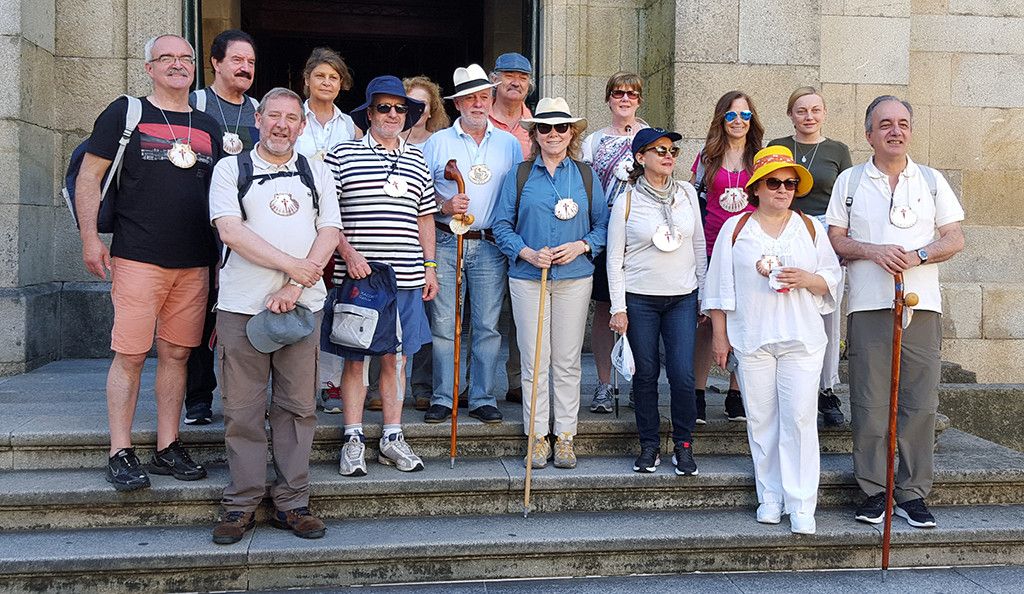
[
  {"x": 469, "y": 80},
  {"x": 553, "y": 111}
]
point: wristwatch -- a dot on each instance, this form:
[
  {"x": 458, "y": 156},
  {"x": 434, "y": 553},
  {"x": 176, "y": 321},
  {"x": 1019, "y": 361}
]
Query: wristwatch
[
  {"x": 295, "y": 283},
  {"x": 586, "y": 246},
  {"x": 923, "y": 255}
]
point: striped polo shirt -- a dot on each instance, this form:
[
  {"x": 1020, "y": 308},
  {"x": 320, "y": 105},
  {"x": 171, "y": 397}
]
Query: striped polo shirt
[{"x": 380, "y": 227}]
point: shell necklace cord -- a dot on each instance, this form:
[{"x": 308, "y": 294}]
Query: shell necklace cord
[
  {"x": 394, "y": 185},
  {"x": 479, "y": 172},
  {"x": 320, "y": 142},
  {"x": 803, "y": 159},
  {"x": 180, "y": 154},
  {"x": 565, "y": 207}
]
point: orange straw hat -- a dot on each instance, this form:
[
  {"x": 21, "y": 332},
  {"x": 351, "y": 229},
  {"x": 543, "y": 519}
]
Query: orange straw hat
[{"x": 772, "y": 158}]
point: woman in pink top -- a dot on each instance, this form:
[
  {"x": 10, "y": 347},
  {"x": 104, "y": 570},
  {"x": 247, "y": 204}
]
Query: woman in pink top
[{"x": 720, "y": 173}]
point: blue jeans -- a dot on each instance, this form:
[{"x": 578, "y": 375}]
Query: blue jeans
[
  {"x": 674, "y": 320},
  {"x": 485, "y": 270}
]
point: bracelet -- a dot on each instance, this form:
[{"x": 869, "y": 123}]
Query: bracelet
[
  {"x": 429, "y": 264},
  {"x": 295, "y": 283}
]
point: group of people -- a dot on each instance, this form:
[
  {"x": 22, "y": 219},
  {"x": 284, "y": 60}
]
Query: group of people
[{"x": 231, "y": 214}]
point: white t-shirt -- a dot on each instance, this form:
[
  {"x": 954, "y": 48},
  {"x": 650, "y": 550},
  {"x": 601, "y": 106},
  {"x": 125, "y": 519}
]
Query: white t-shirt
[
  {"x": 289, "y": 225},
  {"x": 315, "y": 137},
  {"x": 758, "y": 315},
  {"x": 871, "y": 287}
]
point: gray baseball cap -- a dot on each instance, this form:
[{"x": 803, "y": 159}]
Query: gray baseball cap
[{"x": 269, "y": 331}]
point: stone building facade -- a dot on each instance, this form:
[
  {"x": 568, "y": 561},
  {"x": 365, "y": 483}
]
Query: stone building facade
[{"x": 961, "y": 63}]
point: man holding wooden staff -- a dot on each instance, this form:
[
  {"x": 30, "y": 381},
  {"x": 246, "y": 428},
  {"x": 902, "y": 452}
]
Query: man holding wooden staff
[
  {"x": 484, "y": 155},
  {"x": 883, "y": 217}
]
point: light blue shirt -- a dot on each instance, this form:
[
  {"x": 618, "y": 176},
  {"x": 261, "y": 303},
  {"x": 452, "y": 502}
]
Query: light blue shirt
[
  {"x": 536, "y": 225},
  {"x": 499, "y": 150}
]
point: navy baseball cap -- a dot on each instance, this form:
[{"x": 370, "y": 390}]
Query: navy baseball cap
[
  {"x": 649, "y": 135},
  {"x": 513, "y": 62}
]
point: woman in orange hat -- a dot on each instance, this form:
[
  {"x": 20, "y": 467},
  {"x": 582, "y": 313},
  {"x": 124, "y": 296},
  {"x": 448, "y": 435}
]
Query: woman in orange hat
[{"x": 772, "y": 275}]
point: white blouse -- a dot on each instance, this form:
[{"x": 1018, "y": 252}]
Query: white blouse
[{"x": 756, "y": 314}]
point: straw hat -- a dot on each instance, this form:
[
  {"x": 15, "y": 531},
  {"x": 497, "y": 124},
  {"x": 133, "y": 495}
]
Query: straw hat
[
  {"x": 772, "y": 158},
  {"x": 553, "y": 111},
  {"x": 469, "y": 80}
]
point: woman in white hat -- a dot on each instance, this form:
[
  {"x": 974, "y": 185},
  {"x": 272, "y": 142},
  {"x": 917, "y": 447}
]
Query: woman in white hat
[
  {"x": 773, "y": 274},
  {"x": 552, "y": 214}
]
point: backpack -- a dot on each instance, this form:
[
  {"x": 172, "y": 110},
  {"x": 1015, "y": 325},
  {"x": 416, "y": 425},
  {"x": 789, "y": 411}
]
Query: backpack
[
  {"x": 523, "y": 173},
  {"x": 105, "y": 216},
  {"x": 857, "y": 171},
  {"x": 361, "y": 315},
  {"x": 200, "y": 100},
  {"x": 746, "y": 217}
]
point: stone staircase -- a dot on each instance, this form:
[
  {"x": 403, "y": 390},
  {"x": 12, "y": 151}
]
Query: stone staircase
[{"x": 62, "y": 528}]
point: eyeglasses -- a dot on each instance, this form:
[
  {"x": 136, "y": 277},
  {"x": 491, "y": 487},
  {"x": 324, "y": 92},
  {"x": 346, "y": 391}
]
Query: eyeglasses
[
  {"x": 546, "y": 128},
  {"x": 731, "y": 116},
  {"x": 773, "y": 183},
  {"x": 387, "y": 107},
  {"x": 620, "y": 93},
  {"x": 168, "y": 59},
  {"x": 661, "y": 151}
]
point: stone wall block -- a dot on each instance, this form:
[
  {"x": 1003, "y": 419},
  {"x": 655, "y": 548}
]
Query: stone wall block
[
  {"x": 833, "y": 7},
  {"x": 605, "y": 42},
  {"x": 985, "y": 80},
  {"x": 843, "y": 122},
  {"x": 37, "y": 23},
  {"x": 86, "y": 313},
  {"x": 956, "y": 137},
  {"x": 37, "y": 85},
  {"x": 555, "y": 37},
  {"x": 794, "y": 35},
  {"x": 12, "y": 325},
  {"x": 10, "y": 162},
  {"x": 10, "y": 90},
  {"x": 67, "y": 249},
  {"x": 35, "y": 245},
  {"x": 707, "y": 30},
  {"x": 592, "y": 105},
  {"x": 9, "y": 231},
  {"x": 36, "y": 164},
  {"x": 658, "y": 34},
  {"x": 42, "y": 324},
  {"x": 929, "y": 6},
  {"x": 881, "y": 8},
  {"x": 992, "y": 360},
  {"x": 991, "y": 255},
  {"x": 91, "y": 28},
  {"x": 137, "y": 82},
  {"x": 90, "y": 84},
  {"x": 987, "y": 194},
  {"x": 10, "y": 17},
  {"x": 966, "y": 34},
  {"x": 996, "y": 8},
  {"x": 872, "y": 50},
  {"x": 576, "y": 46},
  {"x": 1003, "y": 316},
  {"x": 930, "y": 78},
  {"x": 1002, "y": 139},
  {"x": 148, "y": 19},
  {"x": 961, "y": 310}
]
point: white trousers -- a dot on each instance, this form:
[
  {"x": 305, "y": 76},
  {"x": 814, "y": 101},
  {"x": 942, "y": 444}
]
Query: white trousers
[
  {"x": 779, "y": 386},
  {"x": 830, "y": 367},
  {"x": 565, "y": 320}
]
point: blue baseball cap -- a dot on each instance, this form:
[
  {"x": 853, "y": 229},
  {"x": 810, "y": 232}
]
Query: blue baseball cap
[
  {"x": 388, "y": 85},
  {"x": 513, "y": 62},
  {"x": 649, "y": 135}
]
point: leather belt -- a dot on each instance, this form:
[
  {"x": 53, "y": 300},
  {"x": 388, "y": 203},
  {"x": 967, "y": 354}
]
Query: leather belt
[{"x": 485, "y": 234}]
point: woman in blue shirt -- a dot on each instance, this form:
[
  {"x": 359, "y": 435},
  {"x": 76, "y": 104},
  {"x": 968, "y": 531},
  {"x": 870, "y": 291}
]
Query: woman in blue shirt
[{"x": 557, "y": 222}]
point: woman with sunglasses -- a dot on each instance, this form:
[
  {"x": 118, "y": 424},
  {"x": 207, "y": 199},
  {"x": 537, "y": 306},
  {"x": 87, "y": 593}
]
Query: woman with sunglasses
[
  {"x": 825, "y": 159},
  {"x": 557, "y": 220},
  {"x": 655, "y": 228},
  {"x": 609, "y": 152},
  {"x": 720, "y": 172},
  {"x": 772, "y": 275}
]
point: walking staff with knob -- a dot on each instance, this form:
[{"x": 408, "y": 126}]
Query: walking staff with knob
[
  {"x": 909, "y": 300},
  {"x": 533, "y": 390}
]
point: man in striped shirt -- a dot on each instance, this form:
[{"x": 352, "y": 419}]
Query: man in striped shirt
[{"x": 386, "y": 195}]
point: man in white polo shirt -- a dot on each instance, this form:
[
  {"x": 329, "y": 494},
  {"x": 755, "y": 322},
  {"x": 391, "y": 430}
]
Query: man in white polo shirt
[
  {"x": 883, "y": 217},
  {"x": 279, "y": 221}
]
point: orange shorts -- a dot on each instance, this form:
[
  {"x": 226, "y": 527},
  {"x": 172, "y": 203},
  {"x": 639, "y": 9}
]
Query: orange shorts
[{"x": 171, "y": 301}]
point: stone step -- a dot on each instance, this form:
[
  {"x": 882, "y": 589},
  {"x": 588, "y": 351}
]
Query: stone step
[
  {"x": 969, "y": 470},
  {"x": 421, "y": 549}
]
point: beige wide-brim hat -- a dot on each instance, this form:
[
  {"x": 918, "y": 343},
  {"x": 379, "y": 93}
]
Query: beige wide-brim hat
[
  {"x": 469, "y": 80},
  {"x": 553, "y": 111}
]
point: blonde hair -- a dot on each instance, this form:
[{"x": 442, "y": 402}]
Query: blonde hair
[
  {"x": 575, "y": 148},
  {"x": 438, "y": 118},
  {"x": 802, "y": 92}
]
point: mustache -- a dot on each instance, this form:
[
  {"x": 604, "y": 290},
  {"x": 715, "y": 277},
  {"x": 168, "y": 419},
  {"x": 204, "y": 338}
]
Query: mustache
[
  {"x": 244, "y": 74},
  {"x": 177, "y": 71}
]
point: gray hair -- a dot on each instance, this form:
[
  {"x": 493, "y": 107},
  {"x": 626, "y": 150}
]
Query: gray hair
[
  {"x": 147, "y": 50},
  {"x": 880, "y": 100},
  {"x": 496, "y": 77},
  {"x": 281, "y": 92}
]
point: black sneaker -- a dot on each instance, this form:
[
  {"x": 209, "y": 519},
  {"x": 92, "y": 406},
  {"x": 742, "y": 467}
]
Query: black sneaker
[
  {"x": 872, "y": 509},
  {"x": 200, "y": 414},
  {"x": 916, "y": 513},
  {"x": 828, "y": 406},
  {"x": 486, "y": 414},
  {"x": 648, "y": 460},
  {"x": 125, "y": 472},
  {"x": 175, "y": 461},
  {"x": 682, "y": 457},
  {"x": 437, "y": 413},
  {"x": 702, "y": 408},
  {"x": 734, "y": 406}
]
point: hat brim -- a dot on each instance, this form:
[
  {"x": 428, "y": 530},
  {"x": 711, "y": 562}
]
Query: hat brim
[
  {"x": 472, "y": 90},
  {"x": 255, "y": 330},
  {"x": 416, "y": 108},
  {"x": 576, "y": 122},
  {"x": 672, "y": 136},
  {"x": 806, "y": 179}
]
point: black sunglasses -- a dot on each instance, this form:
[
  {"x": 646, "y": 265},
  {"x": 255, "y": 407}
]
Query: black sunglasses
[
  {"x": 773, "y": 183},
  {"x": 386, "y": 107},
  {"x": 546, "y": 128},
  {"x": 661, "y": 151}
]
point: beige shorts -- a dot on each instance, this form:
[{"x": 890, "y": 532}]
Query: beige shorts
[{"x": 148, "y": 298}]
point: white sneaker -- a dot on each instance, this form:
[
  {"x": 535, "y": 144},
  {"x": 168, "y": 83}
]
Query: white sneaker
[
  {"x": 801, "y": 523},
  {"x": 395, "y": 452},
  {"x": 352, "y": 459},
  {"x": 769, "y": 513}
]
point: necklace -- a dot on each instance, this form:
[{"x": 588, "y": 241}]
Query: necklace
[
  {"x": 282, "y": 203},
  {"x": 231, "y": 143},
  {"x": 394, "y": 185},
  {"x": 565, "y": 208},
  {"x": 180, "y": 154},
  {"x": 813, "y": 153},
  {"x": 319, "y": 143},
  {"x": 733, "y": 198},
  {"x": 479, "y": 172}
]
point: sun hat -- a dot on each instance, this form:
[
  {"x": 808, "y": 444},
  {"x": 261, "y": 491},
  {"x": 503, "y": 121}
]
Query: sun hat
[
  {"x": 269, "y": 331},
  {"x": 388, "y": 85},
  {"x": 513, "y": 62},
  {"x": 469, "y": 80},
  {"x": 772, "y": 158},
  {"x": 647, "y": 136},
  {"x": 553, "y": 111}
]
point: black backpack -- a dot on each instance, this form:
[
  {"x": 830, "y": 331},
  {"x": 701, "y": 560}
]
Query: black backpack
[{"x": 523, "y": 173}]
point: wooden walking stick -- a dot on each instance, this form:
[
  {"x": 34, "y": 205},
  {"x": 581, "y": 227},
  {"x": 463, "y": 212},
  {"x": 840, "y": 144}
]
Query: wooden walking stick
[
  {"x": 459, "y": 225},
  {"x": 533, "y": 391},
  {"x": 910, "y": 300}
]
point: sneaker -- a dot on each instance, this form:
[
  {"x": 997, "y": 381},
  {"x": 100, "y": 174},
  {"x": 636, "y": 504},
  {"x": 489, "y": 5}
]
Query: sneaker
[
  {"x": 541, "y": 452},
  {"x": 872, "y": 509},
  {"x": 648, "y": 460},
  {"x": 125, "y": 472},
  {"x": 514, "y": 395},
  {"x": 329, "y": 399},
  {"x": 769, "y": 513},
  {"x": 437, "y": 413},
  {"x": 565, "y": 457},
  {"x": 373, "y": 400},
  {"x": 603, "y": 402},
  {"x": 394, "y": 451},
  {"x": 302, "y": 523},
  {"x": 702, "y": 408},
  {"x": 421, "y": 402},
  {"x": 916, "y": 513},
  {"x": 734, "y": 406},
  {"x": 828, "y": 406},
  {"x": 352, "y": 460},
  {"x": 175, "y": 461},
  {"x": 233, "y": 526},
  {"x": 199, "y": 414},
  {"x": 801, "y": 523},
  {"x": 486, "y": 414},
  {"x": 682, "y": 457}
]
